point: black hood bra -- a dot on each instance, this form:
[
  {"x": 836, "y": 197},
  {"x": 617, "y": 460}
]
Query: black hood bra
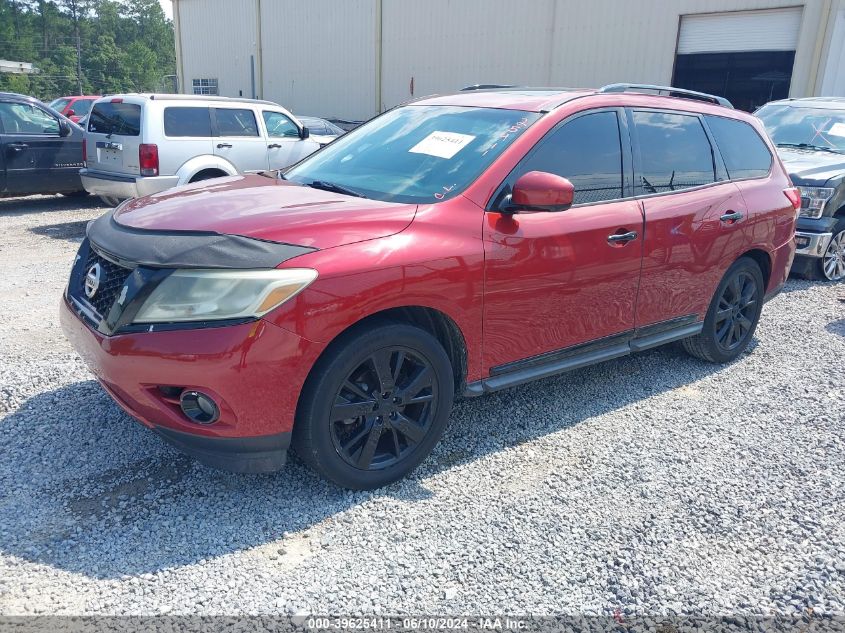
[{"x": 186, "y": 249}]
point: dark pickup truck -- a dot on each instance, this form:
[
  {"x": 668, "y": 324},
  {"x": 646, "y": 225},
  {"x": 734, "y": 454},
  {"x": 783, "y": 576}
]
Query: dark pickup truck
[
  {"x": 810, "y": 137},
  {"x": 40, "y": 150}
]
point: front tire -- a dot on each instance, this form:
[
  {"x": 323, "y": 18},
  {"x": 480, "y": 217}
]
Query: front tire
[
  {"x": 374, "y": 406},
  {"x": 831, "y": 265},
  {"x": 732, "y": 316}
]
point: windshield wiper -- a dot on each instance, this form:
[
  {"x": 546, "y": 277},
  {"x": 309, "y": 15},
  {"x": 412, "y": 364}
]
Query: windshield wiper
[
  {"x": 810, "y": 146},
  {"x": 330, "y": 186}
]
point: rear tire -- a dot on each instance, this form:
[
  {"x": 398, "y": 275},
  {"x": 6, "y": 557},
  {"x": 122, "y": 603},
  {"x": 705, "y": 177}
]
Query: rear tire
[
  {"x": 732, "y": 316},
  {"x": 374, "y": 406},
  {"x": 110, "y": 201}
]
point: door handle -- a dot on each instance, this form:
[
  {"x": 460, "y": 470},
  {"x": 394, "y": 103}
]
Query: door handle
[
  {"x": 731, "y": 216},
  {"x": 222, "y": 145},
  {"x": 274, "y": 146},
  {"x": 622, "y": 238},
  {"x": 17, "y": 147}
]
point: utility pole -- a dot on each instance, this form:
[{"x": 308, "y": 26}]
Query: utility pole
[{"x": 78, "y": 63}]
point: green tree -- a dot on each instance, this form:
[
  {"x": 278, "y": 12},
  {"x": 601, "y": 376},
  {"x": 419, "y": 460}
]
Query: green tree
[{"x": 124, "y": 46}]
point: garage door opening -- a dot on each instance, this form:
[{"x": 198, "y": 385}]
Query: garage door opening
[{"x": 746, "y": 56}]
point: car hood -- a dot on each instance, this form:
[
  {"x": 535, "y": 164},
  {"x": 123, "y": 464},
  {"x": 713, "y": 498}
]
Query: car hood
[
  {"x": 807, "y": 166},
  {"x": 267, "y": 209}
]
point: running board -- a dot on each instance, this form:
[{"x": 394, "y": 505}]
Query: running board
[{"x": 535, "y": 368}]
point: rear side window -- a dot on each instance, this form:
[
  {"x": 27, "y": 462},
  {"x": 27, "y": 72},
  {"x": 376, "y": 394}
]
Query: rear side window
[
  {"x": 675, "y": 152},
  {"x": 232, "y": 122},
  {"x": 81, "y": 107},
  {"x": 586, "y": 150},
  {"x": 123, "y": 119},
  {"x": 187, "y": 122},
  {"x": 744, "y": 152}
]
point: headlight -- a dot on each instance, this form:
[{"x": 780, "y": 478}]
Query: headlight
[
  {"x": 213, "y": 294},
  {"x": 813, "y": 200}
]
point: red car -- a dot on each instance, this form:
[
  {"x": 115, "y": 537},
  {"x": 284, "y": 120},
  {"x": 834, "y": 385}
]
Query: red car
[
  {"x": 456, "y": 245},
  {"x": 73, "y": 108}
]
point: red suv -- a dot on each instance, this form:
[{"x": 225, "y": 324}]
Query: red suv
[{"x": 456, "y": 245}]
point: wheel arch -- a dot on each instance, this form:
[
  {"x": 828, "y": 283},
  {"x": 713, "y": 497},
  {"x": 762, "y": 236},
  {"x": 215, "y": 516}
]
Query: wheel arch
[
  {"x": 764, "y": 261},
  {"x": 437, "y": 323},
  {"x": 197, "y": 164}
]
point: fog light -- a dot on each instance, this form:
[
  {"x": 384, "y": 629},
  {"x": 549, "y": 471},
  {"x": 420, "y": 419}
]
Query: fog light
[{"x": 199, "y": 407}]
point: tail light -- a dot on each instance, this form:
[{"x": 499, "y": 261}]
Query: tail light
[
  {"x": 84, "y": 152},
  {"x": 794, "y": 197},
  {"x": 148, "y": 159}
]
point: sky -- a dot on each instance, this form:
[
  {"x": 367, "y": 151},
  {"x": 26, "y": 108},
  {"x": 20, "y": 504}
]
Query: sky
[{"x": 168, "y": 8}]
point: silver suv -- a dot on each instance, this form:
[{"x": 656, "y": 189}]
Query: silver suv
[{"x": 138, "y": 144}]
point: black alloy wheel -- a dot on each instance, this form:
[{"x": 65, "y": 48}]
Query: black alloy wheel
[
  {"x": 383, "y": 409},
  {"x": 735, "y": 316},
  {"x": 732, "y": 316},
  {"x": 375, "y": 404}
]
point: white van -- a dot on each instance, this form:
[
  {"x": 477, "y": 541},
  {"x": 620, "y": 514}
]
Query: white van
[{"x": 138, "y": 144}]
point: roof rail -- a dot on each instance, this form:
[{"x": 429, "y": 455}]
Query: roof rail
[
  {"x": 667, "y": 91},
  {"x": 486, "y": 87}
]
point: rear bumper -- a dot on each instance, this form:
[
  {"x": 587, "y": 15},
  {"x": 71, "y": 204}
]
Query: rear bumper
[
  {"x": 812, "y": 244},
  {"x": 120, "y": 186},
  {"x": 253, "y": 371}
]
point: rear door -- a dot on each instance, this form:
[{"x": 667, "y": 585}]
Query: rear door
[
  {"x": 238, "y": 139},
  {"x": 188, "y": 133},
  {"x": 114, "y": 136},
  {"x": 37, "y": 158},
  {"x": 695, "y": 219}
]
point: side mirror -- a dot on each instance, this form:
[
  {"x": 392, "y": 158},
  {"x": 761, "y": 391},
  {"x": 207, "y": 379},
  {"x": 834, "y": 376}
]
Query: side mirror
[
  {"x": 70, "y": 113},
  {"x": 305, "y": 133},
  {"x": 541, "y": 191},
  {"x": 64, "y": 128}
]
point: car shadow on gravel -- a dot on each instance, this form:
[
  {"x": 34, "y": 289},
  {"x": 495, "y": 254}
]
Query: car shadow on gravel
[
  {"x": 85, "y": 489},
  {"x": 41, "y": 204},
  {"x": 63, "y": 231}
]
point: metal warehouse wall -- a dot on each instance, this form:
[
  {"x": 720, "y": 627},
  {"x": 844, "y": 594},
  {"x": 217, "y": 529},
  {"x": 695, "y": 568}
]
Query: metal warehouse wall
[{"x": 351, "y": 58}]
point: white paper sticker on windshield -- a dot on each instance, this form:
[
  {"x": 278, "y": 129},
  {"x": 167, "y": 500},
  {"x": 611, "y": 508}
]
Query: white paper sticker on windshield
[
  {"x": 442, "y": 144},
  {"x": 837, "y": 129}
]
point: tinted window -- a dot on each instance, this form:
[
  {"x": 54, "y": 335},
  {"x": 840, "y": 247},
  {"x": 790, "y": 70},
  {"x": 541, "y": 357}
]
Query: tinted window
[
  {"x": 675, "y": 152},
  {"x": 22, "y": 118},
  {"x": 278, "y": 125},
  {"x": 81, "y": 107},
  {"x": 588, "y": 152},
  {"x": 187, "y": 122},
  {"x": 232, "y": 122},
  {"x": 744, "y": 152},
  {"x": 123, "y": 119}
]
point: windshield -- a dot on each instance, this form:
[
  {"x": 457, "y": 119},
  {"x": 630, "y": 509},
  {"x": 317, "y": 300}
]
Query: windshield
[
  {"x": 415, "y": 154},
  {"x": 804, "y": 127},
  {"x": 59, "y": 104}
]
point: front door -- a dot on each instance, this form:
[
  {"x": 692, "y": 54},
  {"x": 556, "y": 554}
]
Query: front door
[
  {"x": 556, "y": 280},
  {"x": 37, "y": 157},
  {"x": 284, "y": 143},
  {"x": 238, "y": 140}
]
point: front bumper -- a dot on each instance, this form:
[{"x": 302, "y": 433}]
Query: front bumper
[
  {"x": 254, "y": 371},
  {"x": 812, "y": 244},
  {"x": 121, "y": 186}
]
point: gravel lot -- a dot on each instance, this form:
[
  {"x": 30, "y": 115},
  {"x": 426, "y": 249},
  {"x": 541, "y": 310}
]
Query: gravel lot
[{"x": 655, "y": 484}]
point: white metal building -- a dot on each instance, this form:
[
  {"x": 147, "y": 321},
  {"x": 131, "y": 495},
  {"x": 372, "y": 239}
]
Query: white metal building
[{"x": 354, "y": 58}]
